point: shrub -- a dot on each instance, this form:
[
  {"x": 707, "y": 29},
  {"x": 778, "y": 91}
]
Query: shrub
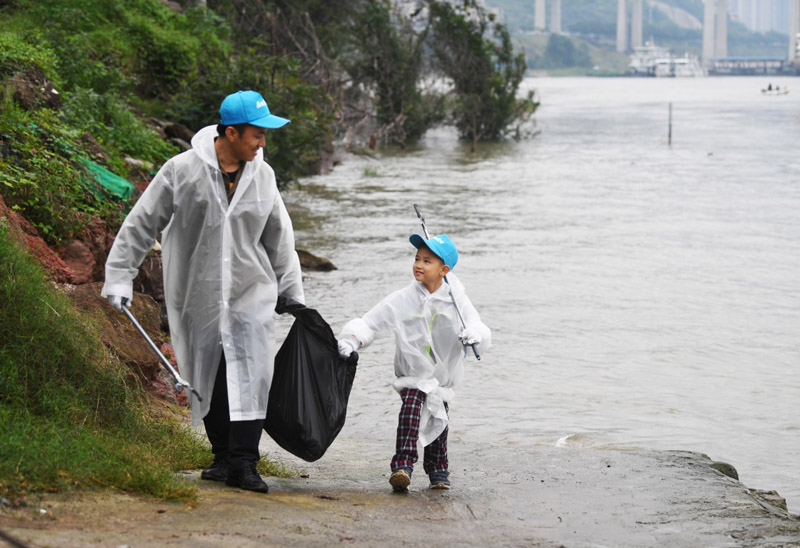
[
  {"x": 115, "y": 126},
  {"x": 41, "y": 177},
  {"x": 17, "y": 54},
  {"x": 477, "y": 55}
]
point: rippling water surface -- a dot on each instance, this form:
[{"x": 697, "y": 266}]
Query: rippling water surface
[{"x": 641, "y": 295}]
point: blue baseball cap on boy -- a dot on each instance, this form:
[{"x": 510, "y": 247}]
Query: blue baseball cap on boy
[
  {"x": 248, "y": 107},
  {"x": 442, "y": 246}
]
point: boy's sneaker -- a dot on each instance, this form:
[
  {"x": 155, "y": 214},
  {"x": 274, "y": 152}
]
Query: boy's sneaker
[
  {"x": 400, "y": 480},
  {"x": 440, "y": 480}
]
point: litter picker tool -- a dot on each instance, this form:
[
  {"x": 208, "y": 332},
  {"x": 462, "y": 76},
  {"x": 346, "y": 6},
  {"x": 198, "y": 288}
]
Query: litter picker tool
[
  {"x": 458, "y": 311},
  {"x": 180, "y": 383}
]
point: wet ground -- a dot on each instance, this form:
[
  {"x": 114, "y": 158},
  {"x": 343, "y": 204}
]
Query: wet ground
[{"x": 501, "y": 496}]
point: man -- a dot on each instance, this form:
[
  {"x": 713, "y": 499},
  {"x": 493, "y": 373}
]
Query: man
[{"x": 228, "y": 253}]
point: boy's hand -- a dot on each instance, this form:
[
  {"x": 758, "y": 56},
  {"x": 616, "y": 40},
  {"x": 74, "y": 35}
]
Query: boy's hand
[
  {"x": 347, "y": 347},
  {"x": 469, "y": 336}
]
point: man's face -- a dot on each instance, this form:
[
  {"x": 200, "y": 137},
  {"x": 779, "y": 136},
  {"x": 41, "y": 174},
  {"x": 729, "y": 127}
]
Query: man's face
[{"x": 246, "y": 145}]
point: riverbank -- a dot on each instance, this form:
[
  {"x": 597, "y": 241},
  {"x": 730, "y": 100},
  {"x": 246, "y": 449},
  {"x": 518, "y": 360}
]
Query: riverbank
[{"x": 502, "y": 496}]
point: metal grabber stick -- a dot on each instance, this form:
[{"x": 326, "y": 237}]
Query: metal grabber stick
[
  {"x": 180, "y": 383},
  {"x": 453, "y": 297}
]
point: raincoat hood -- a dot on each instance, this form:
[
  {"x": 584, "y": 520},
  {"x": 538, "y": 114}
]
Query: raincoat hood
[{"x": 203, "y": 145}]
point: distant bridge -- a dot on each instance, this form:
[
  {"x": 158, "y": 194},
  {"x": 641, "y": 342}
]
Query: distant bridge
[
  {"x": 715, "y": 31},
  {"x": 747, "y": 65}
]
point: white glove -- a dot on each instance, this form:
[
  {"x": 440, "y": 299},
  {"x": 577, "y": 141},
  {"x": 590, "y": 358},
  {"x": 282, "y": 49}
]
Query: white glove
[
  {"x": 347, "y": 346},
  {"x": 469, "y": 336},
  {"x": 116, "y": 302}
]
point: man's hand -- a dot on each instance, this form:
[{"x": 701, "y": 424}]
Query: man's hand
[
  {"x": 347, "y": 347},
  {"x": 116, "y": 302}
]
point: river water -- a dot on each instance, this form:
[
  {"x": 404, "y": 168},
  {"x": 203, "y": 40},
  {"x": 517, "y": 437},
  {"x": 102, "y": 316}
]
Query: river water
[{"x": 641, "y": 295}]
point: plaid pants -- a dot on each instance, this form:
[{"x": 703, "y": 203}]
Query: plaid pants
[{"x": 435, "y": 456}]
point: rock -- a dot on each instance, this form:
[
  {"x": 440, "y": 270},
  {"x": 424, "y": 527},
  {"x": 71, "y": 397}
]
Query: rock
[
  {"x": 86, "y": 256},
  {"x": 78, "y": 257},
  {"x": 158, "y": 126},
  {"x": 771, "y": 498},
  {"x": 32, "y": 90},
  {"x": 179, "y": 131},
  {"x": 725, "y": 468},
  {"x": 99, "y": 239},
  {"x": 312, "y": 262},
  {"x": 174, "y": 6},
  {"x": 180, "y": 143}
]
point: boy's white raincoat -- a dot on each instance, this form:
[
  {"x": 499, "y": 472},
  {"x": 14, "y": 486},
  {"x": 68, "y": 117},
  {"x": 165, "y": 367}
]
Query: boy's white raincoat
[
  {"x": 429, "y": 355},
  {"x": 224, "y": 267}
]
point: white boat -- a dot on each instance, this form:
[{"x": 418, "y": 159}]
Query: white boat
[
  {"x": 775, "y": 91},
  {"x": 652, "y": 60}
]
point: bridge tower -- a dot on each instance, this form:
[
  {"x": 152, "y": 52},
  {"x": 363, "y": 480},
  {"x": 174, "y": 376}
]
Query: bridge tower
[
  {"x": 721, "y": 46},
  {"x": 794, "y": 29},
  {"x": 622, "y": 26},
  {"x": 708, "y": 31},
  {"x": 555, "y": 16},
  {"x": 636, "y": 23},
  {"x": 539, "y": 15},
  {"x": 715, "y": 29}
]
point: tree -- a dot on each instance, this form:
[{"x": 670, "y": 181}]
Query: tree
[
  {"x": 389, "y": 57},
  {"x": 477, "y": 55}
]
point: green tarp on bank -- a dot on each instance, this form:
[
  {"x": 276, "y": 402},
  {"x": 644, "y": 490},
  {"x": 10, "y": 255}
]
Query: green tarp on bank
[{"x": 110, "y": 181}]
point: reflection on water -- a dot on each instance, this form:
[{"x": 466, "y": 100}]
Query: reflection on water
[{"x": 640, "y": 295}]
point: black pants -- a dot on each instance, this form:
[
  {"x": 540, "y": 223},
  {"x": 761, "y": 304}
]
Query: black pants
[{"x": 234, "y": 441}]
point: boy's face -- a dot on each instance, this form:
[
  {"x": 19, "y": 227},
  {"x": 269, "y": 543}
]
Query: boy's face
[{"x": 429, "y": 269}]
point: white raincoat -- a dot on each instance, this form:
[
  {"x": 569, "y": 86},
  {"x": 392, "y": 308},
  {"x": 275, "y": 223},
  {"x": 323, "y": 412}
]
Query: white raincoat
[
  {"x": 224, "y": 267},
  {"x": 429, "y": 355}
]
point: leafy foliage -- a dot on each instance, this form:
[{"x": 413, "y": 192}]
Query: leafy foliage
[
  {"x": 479, "y": 58},
  {"x": 296, "y": 151},
  {"x": 40, "y": 175},
  {"x": 115, "y": 126},
  {"x": 17, "y": 55},
  {"x": 119, "y": 62},
  {"x": 389, "y": 56}
]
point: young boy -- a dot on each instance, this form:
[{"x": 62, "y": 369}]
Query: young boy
[{"x": 428, "y": 360}]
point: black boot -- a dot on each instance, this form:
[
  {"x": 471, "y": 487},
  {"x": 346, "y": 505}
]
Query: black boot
[
  {"x": 246, "y": 477},
  {"x": 217, "y": 472}
]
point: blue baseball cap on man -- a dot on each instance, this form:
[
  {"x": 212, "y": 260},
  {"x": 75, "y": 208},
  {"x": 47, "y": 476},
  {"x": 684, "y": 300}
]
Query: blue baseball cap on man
[
  {"x": 248, "y": 107},
  {"x": 442, "y": 246}
]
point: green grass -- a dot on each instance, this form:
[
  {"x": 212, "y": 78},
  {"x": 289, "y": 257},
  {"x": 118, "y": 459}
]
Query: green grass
[
  {"x": 269, "y": 466},
  {"x": 71, "y": 415}
]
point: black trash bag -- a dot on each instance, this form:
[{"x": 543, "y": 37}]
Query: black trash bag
[{"x": 310, "y": 388}]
